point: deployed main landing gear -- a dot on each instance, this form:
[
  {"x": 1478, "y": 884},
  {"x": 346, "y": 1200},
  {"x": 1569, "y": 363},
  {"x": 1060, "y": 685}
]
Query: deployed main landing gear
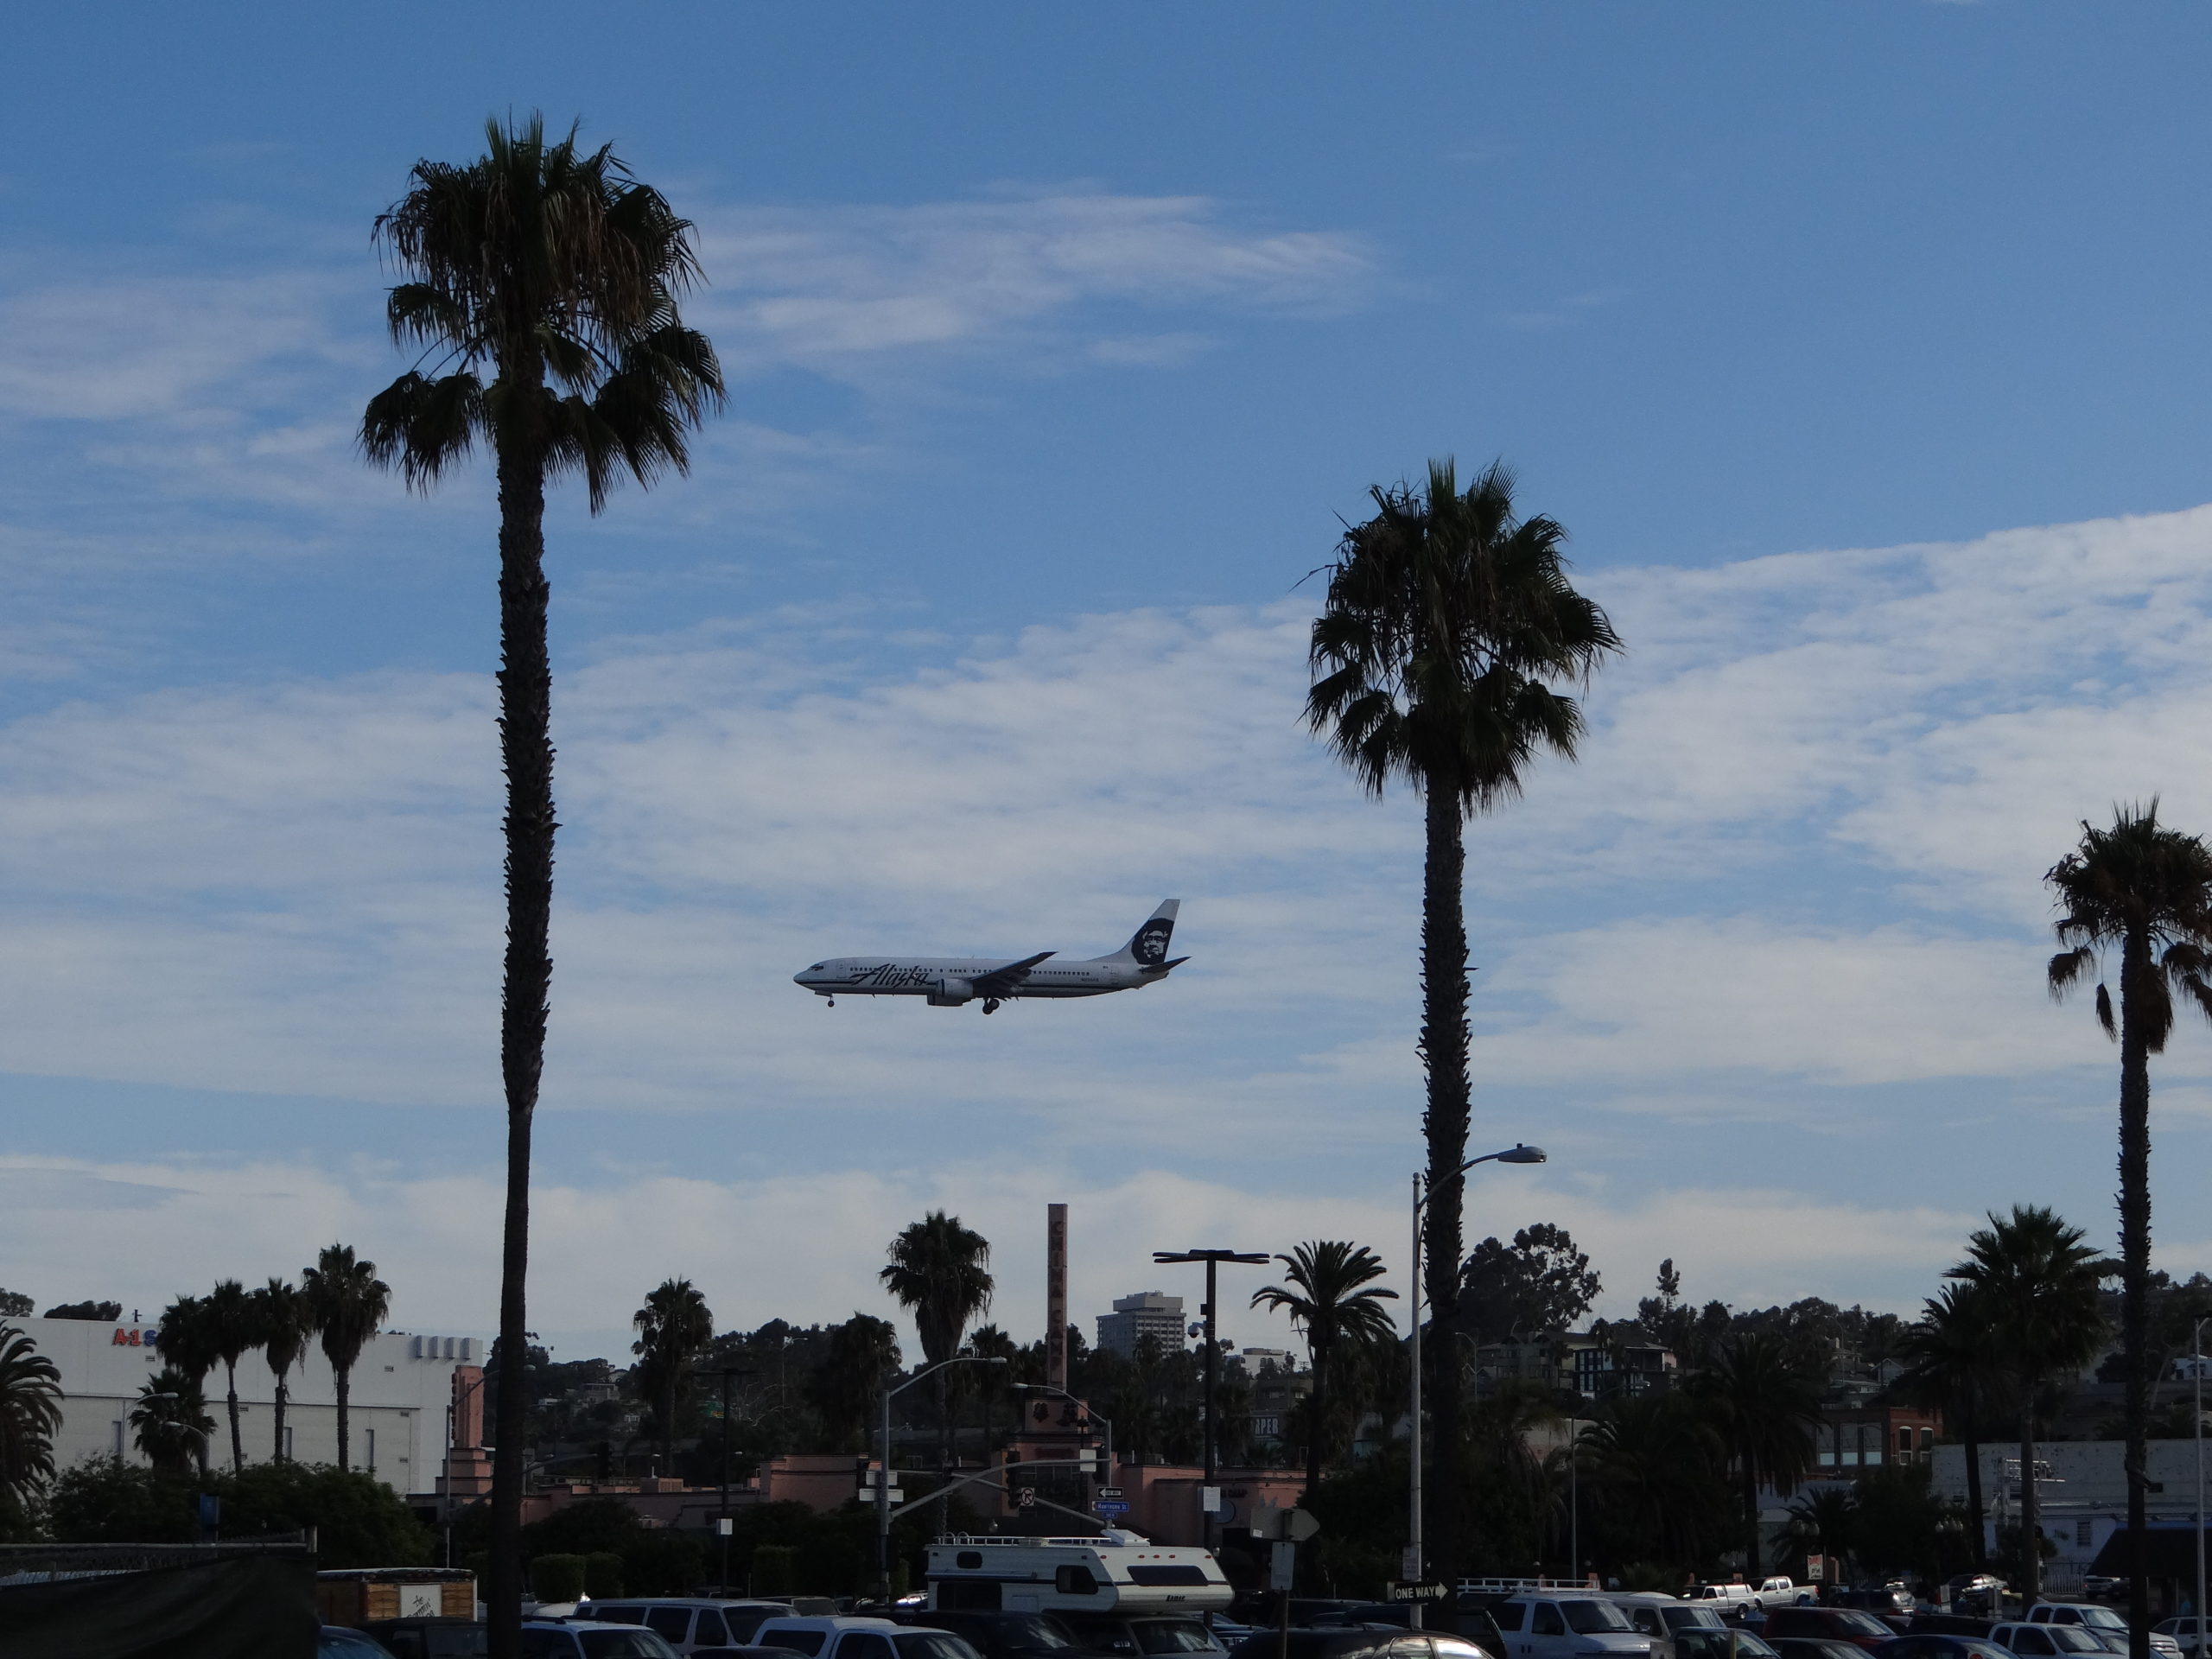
[
  {"x": 990, "y": 1005},
  {"x": 833, "y": 1001}
]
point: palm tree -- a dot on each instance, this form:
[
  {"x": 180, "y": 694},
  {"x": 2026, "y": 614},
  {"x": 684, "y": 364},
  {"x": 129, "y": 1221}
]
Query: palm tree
[
  {"x": 232, "y": 1330},
  {"x": 860, "y": 1354},
  {"x": 1823, "y": 1523},
  {"x": 2036, "y": 1279},
  {"x": 346, "y": 1302},
  {"x": 2144, "y": 890},
  {"x": 1447, "y": 621},
  {"x": 188, "y": 1347},
  {"x": 941, "y": 1272},
  {"x": 169, "y": 1422},
  {"x": 1654, "y": 1462},
  {"x": 286, "y": 1320},
  {"x": 1948, "y": 1366},
  {"x": 1332, "y": 1297},
  {"x": 543, "y": 291},
  {"x": 30, "y": 1413},
  {"x": 1765, "y": 1406},
  {"x": 674, "y": 1328}
]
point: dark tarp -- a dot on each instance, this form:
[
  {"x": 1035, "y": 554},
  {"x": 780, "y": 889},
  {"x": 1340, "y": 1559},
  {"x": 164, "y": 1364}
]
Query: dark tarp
[
  {"x": 2168, "y": 1553},
  {"x": 260, "y": 1607}
]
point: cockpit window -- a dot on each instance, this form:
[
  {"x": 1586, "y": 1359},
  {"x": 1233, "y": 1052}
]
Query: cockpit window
[{"x": 817, "y": 967}]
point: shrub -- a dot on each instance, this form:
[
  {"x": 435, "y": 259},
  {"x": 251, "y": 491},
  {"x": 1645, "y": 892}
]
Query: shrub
[
  {"x": 603, "y": 1573},
  {"x": 773, "y": 1569},
  {"x": 557, "y": 1578}
]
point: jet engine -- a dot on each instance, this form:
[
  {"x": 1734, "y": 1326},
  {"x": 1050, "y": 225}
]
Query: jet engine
[{"x": 951, "y": 992}]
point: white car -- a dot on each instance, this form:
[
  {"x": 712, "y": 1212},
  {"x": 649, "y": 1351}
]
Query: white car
[
  {"x": 854, "y": 1635},
  {"x": 553, "y": 1638},
  {"x": 687, "y": 1621},
  {"x": 2046, "y": 1640},
  {"x": 2101, "y": 1622},
  {"x": 1558, "y": 1624}
]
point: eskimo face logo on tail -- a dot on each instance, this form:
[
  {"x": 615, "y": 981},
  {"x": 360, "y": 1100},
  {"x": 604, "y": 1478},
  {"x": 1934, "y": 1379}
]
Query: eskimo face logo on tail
[{"x": 1150, "y": 947}]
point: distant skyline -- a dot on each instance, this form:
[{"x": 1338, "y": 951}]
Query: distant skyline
[{"x": 1860, "y": 347}]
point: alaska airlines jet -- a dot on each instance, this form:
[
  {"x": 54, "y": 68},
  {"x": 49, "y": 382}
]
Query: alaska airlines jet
[{"x": 947, "y": 981}]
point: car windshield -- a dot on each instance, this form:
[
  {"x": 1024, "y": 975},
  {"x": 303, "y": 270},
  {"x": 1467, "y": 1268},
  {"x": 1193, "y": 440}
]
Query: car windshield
[
  {"x": 624, "y": 1644},
  {"x": 1027, "y": 1631},
  {"x": 809, "y": 1642},
  {"x": 1173, "y": 1636},
  {"x": 1683, "y": 1617},
  {"x": 2102, "y": 1617},
  {"x": 932, "y": 1644},
  {"x": 1746, "y": 1643},
  {"x": 1858, "y": 1623},
  {"x": 1585, "y": 1616},
  {"x": 337, "y": 1642},
  {"x": 2072, "y": 1638}
]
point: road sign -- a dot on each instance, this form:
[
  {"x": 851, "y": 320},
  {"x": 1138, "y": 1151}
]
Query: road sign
[
  {"x": 895, "y": 1496},
  {"x": 1282, "y": 1567},
  {"x": 1401, "y": 1590},
  {"x": 1409, "y": 1563},
  {"x": 1110, "y": 1491},
  {"x": 1296, "y": 1525},
  {"x": 1025, "y": 1498},
  {"x": 1111, "y": 1506}
]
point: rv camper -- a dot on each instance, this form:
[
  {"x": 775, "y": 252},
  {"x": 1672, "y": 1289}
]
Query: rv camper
[{"x": 1116, "y": 1572}]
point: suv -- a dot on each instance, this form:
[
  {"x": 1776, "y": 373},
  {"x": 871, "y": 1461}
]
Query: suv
[
  {"x": 2101, "y": 1622},
  {"x": 1562, "y": 1625},
  {"x": 1002, "y": 1635},
  {"x": 551, "y": 1638},
  {"x": 688, "y": 1623},
  {"x": 1660, "y": 1617},
  {"x": 431, "y": 1638},
  {"x": 1136, "y": 1635},
  {"x": 2046, "y": 1640},
  {"x": 850, "y": 1635},
  {"x": 1835, "y": 1623}
]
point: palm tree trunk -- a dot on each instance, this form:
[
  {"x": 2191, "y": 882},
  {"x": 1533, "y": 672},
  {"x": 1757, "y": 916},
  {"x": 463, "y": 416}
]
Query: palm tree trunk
[
  {"x": 238, "y": 1446},
  {"x": 2030, "y": 1538},
  {"x": 527, "y": 756},
  {"x": 1444, "y": 1053},
  {"x": 1753, "y": 1568},
  {"x": 345, "y": 1376},
  {"x": 1319, "y": 1403},
  {"x": 276, "y": 1451},
  {"x": 2135, "y": 1267}
]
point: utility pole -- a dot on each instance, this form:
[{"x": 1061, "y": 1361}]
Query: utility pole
[{"x": 1213, "y": 1259}]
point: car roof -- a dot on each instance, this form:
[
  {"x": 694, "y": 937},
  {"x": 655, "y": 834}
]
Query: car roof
[{"x": 832, "y": 1622}]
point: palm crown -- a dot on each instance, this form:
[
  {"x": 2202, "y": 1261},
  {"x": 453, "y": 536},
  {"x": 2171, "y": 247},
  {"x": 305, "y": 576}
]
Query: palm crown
[
  {"x": 2137, "y": 881},
  {"x": 540, "y": 262},
  {"x": 941, "y": 1271}
]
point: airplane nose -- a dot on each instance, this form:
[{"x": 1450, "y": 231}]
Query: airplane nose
[{"x": 799, "y": 978}]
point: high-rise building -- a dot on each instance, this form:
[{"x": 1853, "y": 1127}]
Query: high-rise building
[{"x": 1148, "y": 1313}]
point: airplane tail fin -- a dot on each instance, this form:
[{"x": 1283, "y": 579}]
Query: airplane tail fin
[{"x": 1147, "y": 946}]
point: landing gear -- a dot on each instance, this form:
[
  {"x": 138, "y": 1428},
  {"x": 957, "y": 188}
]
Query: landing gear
[
  {"x": 990, "y": 1005},
  {"x": 833, "y": 1001}
]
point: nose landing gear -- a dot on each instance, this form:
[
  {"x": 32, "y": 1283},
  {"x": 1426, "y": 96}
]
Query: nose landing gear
[{"x": 833, "y": 1001}]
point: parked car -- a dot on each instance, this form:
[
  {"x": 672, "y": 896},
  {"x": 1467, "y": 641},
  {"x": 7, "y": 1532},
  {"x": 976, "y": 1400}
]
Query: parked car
[
  {"x": 553, "y": 1638},
  {"x": 2184, "y": 1633},
  {"x": 343, "y": 1642},
  {"x": 1129, "y": 1635},
  {"x": 1373, "y": 1642},
  {"x": 1941, "y": 1647},
  {"x": 745, "y": 1653},
  {"x": 1881, "y": 1600},
  {"x": 431, "y": 1639},
  {"x": 1001, "y": 1635},
  {"x": 688, "y": 1623},
  {"x": 2044, "y": 1641},
  {"x": 1785, "y": 1592},
  {"x": 1816, "y": 1647},
  {"x": 2101, "y": 1622},
  {"x": 1851, "y": 1625},
  {"x": 1660, "y": 1615},
  {"x": 1696, "y": 1642},
  {"x": 1554, "y": 1625}
]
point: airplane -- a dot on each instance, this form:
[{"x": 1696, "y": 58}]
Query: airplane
[{"x": 949, "y": 982}]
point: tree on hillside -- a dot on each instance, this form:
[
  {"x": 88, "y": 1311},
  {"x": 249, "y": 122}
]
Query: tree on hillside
[
  {"x": 95, "y": 1312},
  {"x": 285, "y": 1318},
  {"x": 1539, "y": 1285},
  {"x": 1949, "y": 1366},
  {"x": 2036, "y": 1281},
  {"x": 862, "y": 1355},
  {"x": 1448, "y": 623},
  {"x": 941, "y": 1272},
  {"x": 30, "y": 1413},
  {"x": 170, "y": 1422},
  {"x": 348, "y": 1303},
  {"x": 542, "y": 290},
  {"x": 1332, "y": 1297},
  {"x": 234, "y": 1331},
  {"x": 2143, "y": 892},
  {"x": 15, "y": 1304},
  {"x": 674, "y": 1328},
  {"x": 1765, "y": 1406}
]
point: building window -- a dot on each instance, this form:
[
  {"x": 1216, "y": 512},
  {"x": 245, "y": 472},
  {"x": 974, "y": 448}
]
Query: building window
[
  {"x": 369, "y": 1438},
  {"x": 289, "y": 1433},
  {"x": 1904, "y": 1446},
  {"x": 2081, "y": 1533},
  {"x": 118, "y": 1439}
]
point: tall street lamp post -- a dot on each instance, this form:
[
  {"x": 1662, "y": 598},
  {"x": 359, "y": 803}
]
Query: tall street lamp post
[
  {"x": 2196, "y": 1366},
  {"x": 1213, "y": 1259},
  {"x": 722, "y": 1520},
  {"x": 1415, "y": 1564},
  {"x": 883, "y": 1477}
]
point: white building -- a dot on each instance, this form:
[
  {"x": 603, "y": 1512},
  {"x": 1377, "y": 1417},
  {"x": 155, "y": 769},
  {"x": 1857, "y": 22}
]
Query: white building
[
  {"x": 1148, "y": 1313},
  {"x": 2081, "y": 1489},
  {"x": 402, "y": 1388}
]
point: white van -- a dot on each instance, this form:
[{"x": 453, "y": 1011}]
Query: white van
[
  {"x": 686, "y": 1623},
  {"x": 1659, "y": 1616},
  {"x": 1566, "y": 1625},
  {"x": 851, "y": 1636}
]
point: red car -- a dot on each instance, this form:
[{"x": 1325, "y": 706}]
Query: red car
[{"x": 1836, "y": 1624}]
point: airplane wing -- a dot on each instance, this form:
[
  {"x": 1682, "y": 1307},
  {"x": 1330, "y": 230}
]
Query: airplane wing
[{"x": 999, "y": 981}]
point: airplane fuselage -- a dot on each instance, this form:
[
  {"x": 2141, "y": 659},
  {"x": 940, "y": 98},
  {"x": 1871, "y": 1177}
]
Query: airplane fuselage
[{"x": 950, "y": 982}]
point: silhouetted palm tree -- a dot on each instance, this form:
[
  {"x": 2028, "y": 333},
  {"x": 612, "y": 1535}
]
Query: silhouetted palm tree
[
  {"x": 2036, "y": 1279},
  {"x": 30, "y": 1413},
  {"x": 1949, "y": 1366},
  {"x": 347, "y": 1303},
  {"x": 1825, "y": 1523},
  {"x": 1765, "y": 1406},
  {"x": 674, "y": 1328},
  {"x": 2144, "y": 890},
  {"x": 1654, "y": 1460},
  {"x": 1333, "y": 1298},
  {"x": 286, "y": 1319},
  {"x": 941, "y": 1271},
  {"x": 234, "y": 1331},
  {"x": 1448, "y": 619},
  {"x": 169, "y": 1422},
  {"x": 543, "y": 282},
  {"x": 188, "y": 1345},
  {"x": 861, "y": 1354}
]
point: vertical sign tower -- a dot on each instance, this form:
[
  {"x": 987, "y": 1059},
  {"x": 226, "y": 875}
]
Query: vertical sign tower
[{"x": 1056, "y": 1296}]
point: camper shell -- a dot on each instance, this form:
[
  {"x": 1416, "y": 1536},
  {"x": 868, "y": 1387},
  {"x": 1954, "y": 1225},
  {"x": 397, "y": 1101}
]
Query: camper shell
[{"x": 1114, "y": 1572}]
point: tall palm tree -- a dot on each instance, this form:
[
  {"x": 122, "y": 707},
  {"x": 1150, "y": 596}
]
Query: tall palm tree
[
  {"x": 1333, "y": 1298},
  {"x": 1448, "y": 621},
  {"x": 169, "y": 1422},
  {"x": 347, "y": 1303},
  {"x": 542, "y": 289},
  {"x": 860, "y": 1353},
  {"x": 1948, "y": 1366},
  {"x": 233, "y": 1331},
  {"x": 286, "y": 1319},
  {"x": 30, "y": 1413},
  {"x": 189, "y": 1346},
  {"x": 941, "y": 1272},
  {"x": 2038, "y": 1279},
  {"x": 2144, "y": 891},
  {"x": 1654, "y": 1463},
  {"x": 1765, "y": 1406},
  {"x": 674, "y": 1328}
]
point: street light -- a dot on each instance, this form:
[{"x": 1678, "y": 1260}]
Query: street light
[
  {"x": 1089, "y": 1411},
  {"x": 1213, "y": 1259},
  {"x": 1516, "y": 1154},
  {"x": 883, "y": 1481},
  {"x": 722, "y": 1520},
  {"x": 2196, "y": 1352}
]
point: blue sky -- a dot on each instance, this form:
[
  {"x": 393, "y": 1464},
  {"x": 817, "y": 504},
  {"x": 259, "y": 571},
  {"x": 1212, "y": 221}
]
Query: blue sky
[{"x": 1860, "y": 346}]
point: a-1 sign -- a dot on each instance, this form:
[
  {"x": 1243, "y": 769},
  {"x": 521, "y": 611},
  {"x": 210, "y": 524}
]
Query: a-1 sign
[{"x": 1401, "y": 1590}]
